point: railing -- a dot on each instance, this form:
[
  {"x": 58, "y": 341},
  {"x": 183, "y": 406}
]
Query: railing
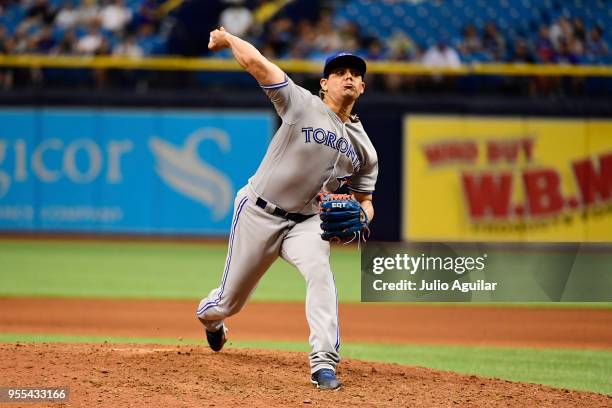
[{"x": 296, "y": 66}]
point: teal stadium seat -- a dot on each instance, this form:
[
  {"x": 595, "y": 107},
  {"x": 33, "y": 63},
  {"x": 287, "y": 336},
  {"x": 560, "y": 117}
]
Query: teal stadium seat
[{"x": 428, "y": 21}]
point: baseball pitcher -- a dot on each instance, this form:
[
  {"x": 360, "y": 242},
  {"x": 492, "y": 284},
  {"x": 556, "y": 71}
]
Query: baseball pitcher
[{"x": 288, "y": 208}]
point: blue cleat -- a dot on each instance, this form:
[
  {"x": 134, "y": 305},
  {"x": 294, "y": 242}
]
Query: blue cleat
[{"x": 325, "y": 379}]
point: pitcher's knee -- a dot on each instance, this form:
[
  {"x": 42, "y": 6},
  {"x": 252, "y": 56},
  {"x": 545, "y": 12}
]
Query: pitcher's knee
[{"x": 231, "y": 304}]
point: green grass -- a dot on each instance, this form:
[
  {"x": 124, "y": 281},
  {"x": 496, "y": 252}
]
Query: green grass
[
  {"x": 561, "y": 368},
  {"x": 160, "y": 271},
  {"x": 146, "y": 270}
]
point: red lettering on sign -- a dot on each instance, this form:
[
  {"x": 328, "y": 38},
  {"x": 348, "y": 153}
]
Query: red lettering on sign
[
  {"x": 451, "y": 151},
  {"x": 593, "y": 183},
  {"x": 498, "y": 151},
  {"x": 488, "y": 194},
  {"x": 543, "y": 191},
  {"x": 509, "y": 150},
  {"x": 527, "y": 145}
]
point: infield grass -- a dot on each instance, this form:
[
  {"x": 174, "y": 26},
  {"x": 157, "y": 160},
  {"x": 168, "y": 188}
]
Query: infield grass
[
  {"x": 154, "y": 270},
  {"x": 562, "y": 368}
]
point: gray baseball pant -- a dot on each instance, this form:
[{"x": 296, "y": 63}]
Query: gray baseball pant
[{"x": 257, "y": 238}]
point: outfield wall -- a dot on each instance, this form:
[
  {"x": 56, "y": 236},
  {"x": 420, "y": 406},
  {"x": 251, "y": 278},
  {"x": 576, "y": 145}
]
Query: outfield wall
[
  {"x": 474, "y": 178},
  {"x": 49, "y": 157},
  {"x": 147, "y": 171}
]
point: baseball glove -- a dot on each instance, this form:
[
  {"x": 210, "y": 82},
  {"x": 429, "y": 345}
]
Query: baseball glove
[{"x": 343, "y": 218}]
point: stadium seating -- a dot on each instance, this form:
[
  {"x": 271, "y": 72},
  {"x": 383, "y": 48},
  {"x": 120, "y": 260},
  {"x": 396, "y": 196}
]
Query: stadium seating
[
  {"x": 15, "y": 13},
  {"x": 426, "y": 22},
  {"x": 430, "y": 21}
]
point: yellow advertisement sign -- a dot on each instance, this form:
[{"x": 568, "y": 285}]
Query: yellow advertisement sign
[{"x": 470, "y": 178}]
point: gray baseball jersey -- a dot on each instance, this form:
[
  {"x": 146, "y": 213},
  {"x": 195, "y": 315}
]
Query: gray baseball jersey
[{"x": 311, "y": 151}]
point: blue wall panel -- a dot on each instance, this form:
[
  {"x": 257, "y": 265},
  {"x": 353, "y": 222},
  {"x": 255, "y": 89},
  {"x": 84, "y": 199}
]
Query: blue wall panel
[{"x": 140, "y": 171}]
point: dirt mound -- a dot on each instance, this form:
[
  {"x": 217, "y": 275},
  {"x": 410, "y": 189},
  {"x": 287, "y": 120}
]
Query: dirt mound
[{"x": 186, "y": 376}]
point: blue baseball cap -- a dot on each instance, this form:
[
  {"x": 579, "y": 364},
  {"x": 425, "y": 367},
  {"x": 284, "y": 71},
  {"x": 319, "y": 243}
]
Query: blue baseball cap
[{"x": 344, "y": 60}]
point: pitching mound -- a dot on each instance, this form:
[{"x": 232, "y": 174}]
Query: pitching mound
[{"x": 173, "y": 376}]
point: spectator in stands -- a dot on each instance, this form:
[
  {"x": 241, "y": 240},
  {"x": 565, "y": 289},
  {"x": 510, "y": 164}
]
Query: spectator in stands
[
  {"x": 402, "y": 47},
  {"x": 89, "y": 43},
  {"x": 67, "y": 45},
  {"x": 32, "y": 75},
  {"x": 560, "y": 31},
  {"x": 31, "y": 45},
  {"x": 304, "y": 43},
  {"x": 88, "y": 11},
  {"x": 44, "y": 40},
  {"x": 576, "y": 47},
  {"x": 20, "y": 40},
  {"x": 268, "y": 52},
  {"x": 115, "y": 16},
  {"x": 521, "y": 53},
  {"x": 147, "y": 14},
  {"x": 375, "y": 50},
  {"x": 7, "y": 43},
  {"x": 279, "y": 36},
  {"x": 328, "y": 39},
  {"x": 493, "y": 42},
  {"x": 544, "y": 47},
  {"x": 67, "y": 17},
  {"x": 146, "y": 39},
  {"x": 596, "y": 46},
  {"x": 579, "y": 30},
  {"x": 128, "y": 47},
  {"x": 41, "y": 11},
  {"x": 441, "y": 56},
  {"x": 236, "y": 18},
  {"x": 104, "y": 48},
  {"x": 566, "y": 55},
  {"x": 350, "y": 37},
  {"x": 3, "y": 39},
  {"x": 101, "y": 75},
  {"x": 470, "y": 43}
]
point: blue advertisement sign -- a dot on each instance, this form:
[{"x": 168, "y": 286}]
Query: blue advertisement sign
[{"x": 135, "y": 171}]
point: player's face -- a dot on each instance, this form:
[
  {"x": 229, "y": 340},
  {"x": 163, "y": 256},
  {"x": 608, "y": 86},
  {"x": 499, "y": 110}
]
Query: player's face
[{"x": 344, "y": 83}]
